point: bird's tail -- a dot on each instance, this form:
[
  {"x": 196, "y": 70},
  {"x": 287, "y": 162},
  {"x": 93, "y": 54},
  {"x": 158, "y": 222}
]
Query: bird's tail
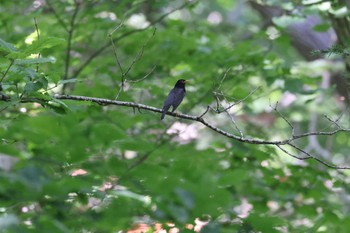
[{"x": 163, "y": 115}]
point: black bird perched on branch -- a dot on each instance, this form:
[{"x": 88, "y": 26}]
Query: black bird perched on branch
[{"x": 175, "y": 97}]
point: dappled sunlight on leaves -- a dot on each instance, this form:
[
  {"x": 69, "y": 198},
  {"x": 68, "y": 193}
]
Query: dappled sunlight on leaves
[{"x": 259, "y": 144}]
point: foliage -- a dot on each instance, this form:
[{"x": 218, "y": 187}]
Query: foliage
[{"x": 82, "y": 167}]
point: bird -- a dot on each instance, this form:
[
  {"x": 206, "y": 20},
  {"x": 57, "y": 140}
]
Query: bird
[{"x": 175, "y": 97}]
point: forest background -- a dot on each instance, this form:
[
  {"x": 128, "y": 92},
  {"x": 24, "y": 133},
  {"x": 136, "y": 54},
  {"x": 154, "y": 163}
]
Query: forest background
[{"x": 259, "y": 144}]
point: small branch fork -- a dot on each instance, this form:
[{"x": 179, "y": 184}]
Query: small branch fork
[
  {"x": 123, "y": 73},
  {"x": 281, "y": 144},
  {"x": 98, "y": 51}
]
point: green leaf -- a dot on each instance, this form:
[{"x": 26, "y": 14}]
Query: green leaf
[
  {"x": 141, "y": 169},
  {"x": 57, "y": 109},
  {"x": 16, "y": 55},
  {"x": 44, "y": 43},
  {"x": 33, "y": 176},
  {"x": 186, "y": 197},
  {"x": 58, "y": 106},
  {"x": 32, "y": 87},
  {"x": 35, "y": 61},
  {"x": 61, "y": 103},
  {"x": 265, "y": 223},
  {"x": 4, "y": 105},
  {"x": 43, "y": 96},
  {"x": 178, "y": 212},
  {"x": 7, "y": 46},
  {"x": 43, "y": 80},
  {"x": 235, "y": 178}
]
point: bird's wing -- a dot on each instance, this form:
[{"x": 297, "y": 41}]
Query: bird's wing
[
  {"x": 179, "y": 95},
  {"x": 169, "y": 100}
]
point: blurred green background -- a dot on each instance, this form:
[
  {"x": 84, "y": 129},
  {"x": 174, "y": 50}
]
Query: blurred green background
[{"x": 71, "y": 166}]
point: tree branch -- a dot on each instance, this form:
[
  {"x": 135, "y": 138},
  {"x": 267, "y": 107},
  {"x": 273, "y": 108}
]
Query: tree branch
[
  {"x": 106, "y": 45},
  {"x": 136, "y": 58},
  {"x": 69, "y": 43},
  {"x": 57, "y": 15},
  {"x": 201, "y": 120}
]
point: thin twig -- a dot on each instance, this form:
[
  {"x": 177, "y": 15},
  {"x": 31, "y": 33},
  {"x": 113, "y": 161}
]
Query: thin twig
[
  {"x": 334, "y": 122},
  {"x": 234, "y": 123},
  {"x": 7, "y": 70},
  {"x": 310, "y": 156},
  {"x": 292, "y": 155},
  {"x": 223, "y": 78},
  {"x": 321, "y": 133},
  {"x": 144, "y": 77},
  {"x": 140, "y": 53},
  {"x": 205, "y": 112},
  {"x": 217, "y": 103},
  {"x": 160, "y": 143},
  {"x": 38, "y": 36},
  {"x": 282, "y": 116},
  {"x": 58, "y": 17},
  {"x": 126, "y": 34},
  {"x": 136, "y": 58},
  {"x": 69, "y": 43},
  {"x": 317, "y": 159},
  {"x": 145, "y": 156},
  {"x": 236, "y": 103},
  {"x": 226, "y": 110},
  {"x": 115, "y": 48}
]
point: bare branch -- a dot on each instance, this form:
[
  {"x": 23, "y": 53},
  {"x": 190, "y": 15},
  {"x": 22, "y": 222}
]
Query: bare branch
[
  {"x": 126, "y": 34},
  {"x": 58, "y": 17},
  {"x": 236, "y": 103},
  {"x": 206, "y": 111},
  {"x": 69, "y": 43},
  {"x": 226, "y": 110},
  {"x": 283, "y": 117},
  {"x": 223, "y": 78},
  {"x": 200, "y": 119},
  {"x": 309, "y": 156},
  {"x": 117, "y": 58},
  {"x": 116, "y": 29},
  {"x": 144, "y": 77},
  {"x": 146, "y": 155},
  {"x": 292, "y": 155},
  {"x": 115, "y": 49},
  {"x": 234, "y": 123},
  {"x": 140, "y": 53},
  {"x": 195, "y": 118},
  {"x": 322, "y": 133},
  {"x": 334, "y": 122},
  {"x": 317, "y": 159},
  {"x": 137, "y": 58}
]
